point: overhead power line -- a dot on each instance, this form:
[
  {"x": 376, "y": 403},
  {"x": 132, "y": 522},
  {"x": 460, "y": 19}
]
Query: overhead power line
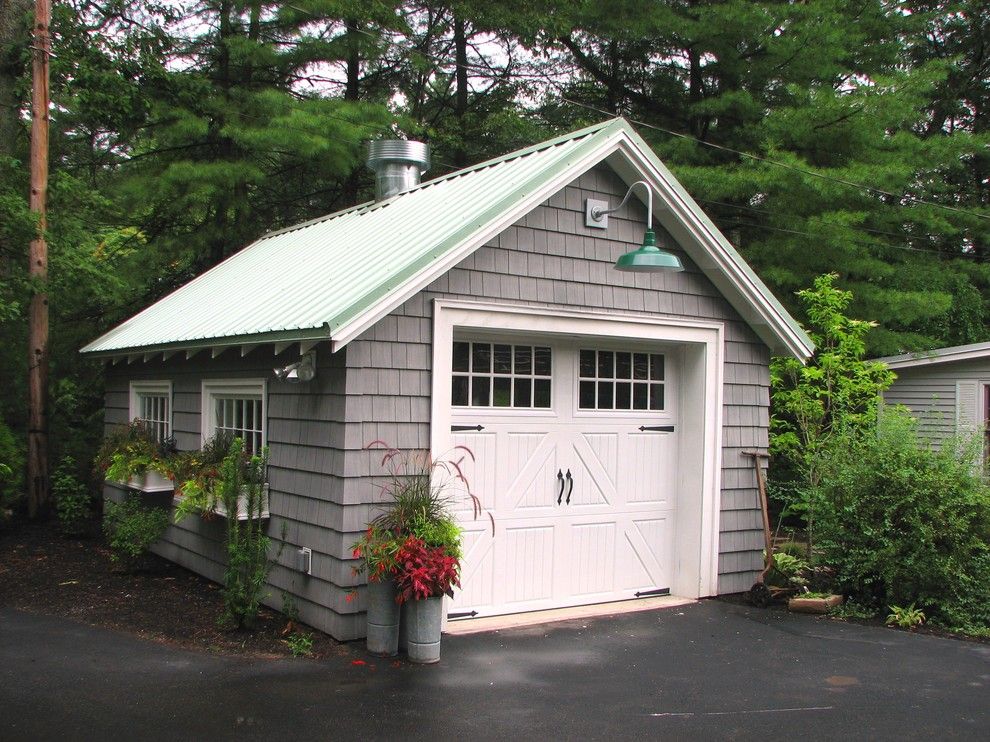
[{"x": 787, "y": 165}]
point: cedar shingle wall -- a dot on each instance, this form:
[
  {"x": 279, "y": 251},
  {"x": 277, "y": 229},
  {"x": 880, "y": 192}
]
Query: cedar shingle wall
[
  {"x": 306, "y": 441},
  {"x": 530, "y": 263},
  {"x": 323, "y": 484}
]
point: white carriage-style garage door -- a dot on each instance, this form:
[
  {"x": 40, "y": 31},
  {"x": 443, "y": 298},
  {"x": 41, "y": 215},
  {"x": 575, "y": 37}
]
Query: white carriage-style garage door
[
  {"x": 575, "y": 452},
  {"x": 595, "y": 450}
]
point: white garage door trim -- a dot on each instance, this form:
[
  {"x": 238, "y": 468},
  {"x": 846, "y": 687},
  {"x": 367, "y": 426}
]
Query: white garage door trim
[{"x": 697, "y": 519}]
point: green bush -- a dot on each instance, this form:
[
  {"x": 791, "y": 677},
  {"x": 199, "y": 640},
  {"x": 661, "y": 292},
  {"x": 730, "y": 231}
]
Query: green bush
[
  {"x": 248, "y": 563},
  {"x": 904, "y": 523},
  {"x": 72, "y": 500},
  {"x": 131, "y": 527},
  {"x": 12, "y": 462}
]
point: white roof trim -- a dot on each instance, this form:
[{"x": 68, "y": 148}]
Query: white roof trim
[
  {"x": 753, "y": 300},
  {"x": 975, "y": 351}
]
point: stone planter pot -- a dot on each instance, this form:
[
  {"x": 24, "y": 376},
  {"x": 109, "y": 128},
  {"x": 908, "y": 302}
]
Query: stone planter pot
[
  {"x": 423, "y": 618},
  {"x": 383, "y": 619},
  {"x": 814, "y": 605}
]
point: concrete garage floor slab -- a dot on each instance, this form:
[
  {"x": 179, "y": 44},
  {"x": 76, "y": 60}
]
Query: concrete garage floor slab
[{"x": 708, "y": 670}]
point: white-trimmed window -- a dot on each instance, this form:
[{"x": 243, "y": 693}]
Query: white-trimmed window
[
  {"x": 151, "y": 404},
  {"x": 500, "y": 375},
  {"x": 617, "y": 380},
  {"x": 236, "y": 406}
]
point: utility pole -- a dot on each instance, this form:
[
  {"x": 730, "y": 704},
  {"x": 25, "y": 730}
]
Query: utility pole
[{"x": 37, "y": 459}]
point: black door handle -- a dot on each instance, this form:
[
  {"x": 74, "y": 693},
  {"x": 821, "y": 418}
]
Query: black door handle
[
  {"x": 570, "y": 489},
  {"x": 560, "y": 478}
]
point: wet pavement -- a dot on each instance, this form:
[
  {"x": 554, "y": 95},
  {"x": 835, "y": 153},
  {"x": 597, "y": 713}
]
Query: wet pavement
[{"x": 710, "y": 670}]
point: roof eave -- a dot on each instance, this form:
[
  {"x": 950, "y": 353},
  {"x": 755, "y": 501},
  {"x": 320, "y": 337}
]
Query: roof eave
[{"x": 284, "y": 337}]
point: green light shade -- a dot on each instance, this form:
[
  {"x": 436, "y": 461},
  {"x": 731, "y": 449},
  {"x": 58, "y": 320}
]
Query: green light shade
[{"x": 649, "y": 258}]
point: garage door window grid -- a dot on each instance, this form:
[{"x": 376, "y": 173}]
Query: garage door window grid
[
  {"x": 501, "y": 375},
  {"x": 615, "y": 380}
]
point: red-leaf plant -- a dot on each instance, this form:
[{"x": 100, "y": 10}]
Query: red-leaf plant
[{"x": 424, "y": 571}]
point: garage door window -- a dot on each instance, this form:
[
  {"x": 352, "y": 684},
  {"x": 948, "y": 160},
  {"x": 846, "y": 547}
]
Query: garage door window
[
  {"x": 501, "y": 375},
  {"x": 616, "y": 380}
]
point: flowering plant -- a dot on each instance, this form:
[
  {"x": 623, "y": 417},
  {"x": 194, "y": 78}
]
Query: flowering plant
[
  {"x": 425, "y": 571},
  {"x": 378, "y": 549}
]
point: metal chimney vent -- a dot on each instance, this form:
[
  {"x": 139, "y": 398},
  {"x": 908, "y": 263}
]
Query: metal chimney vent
[{"x": 398, "y": 165}]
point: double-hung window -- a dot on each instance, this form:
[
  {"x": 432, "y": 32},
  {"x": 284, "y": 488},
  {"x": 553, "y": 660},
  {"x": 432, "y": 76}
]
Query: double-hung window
[
  {"x": 236, "y": 406},
  {"x": 151, "y": 405}
]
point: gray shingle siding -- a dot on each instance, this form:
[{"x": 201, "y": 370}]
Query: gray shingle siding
[
  {"x": 324, "y": 484},
  {"x": 305, "y": 433},
  {"x": 529, "y": 264}
]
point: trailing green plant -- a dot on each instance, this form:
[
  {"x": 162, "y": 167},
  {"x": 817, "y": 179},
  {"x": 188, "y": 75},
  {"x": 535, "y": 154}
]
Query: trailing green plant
[
  {"x": 131, "y": 450},
  {"x": 902, "y": 522},
  {"x": 72, "y": 500},
  {"x": 907, "y": 617},
  {"x": 196, "y": 475},
  {"x": 248, "y": 562},
  {"x": 131, "y": 527}
]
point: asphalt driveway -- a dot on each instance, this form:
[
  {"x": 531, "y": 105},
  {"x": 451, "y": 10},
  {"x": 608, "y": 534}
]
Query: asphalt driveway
[{"x": 711, "y": 670}]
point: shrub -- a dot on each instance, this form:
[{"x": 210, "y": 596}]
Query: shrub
[
  {"x": 902, "y": 522},
  {"x": 248, "y": 563},
  {"x": 72, "y": 500},
  {"x": 12, "y": 463},
  {"x": 131, "y": 527}
]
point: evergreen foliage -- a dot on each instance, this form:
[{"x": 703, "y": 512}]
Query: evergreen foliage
[{"x": 182, "y": 132}]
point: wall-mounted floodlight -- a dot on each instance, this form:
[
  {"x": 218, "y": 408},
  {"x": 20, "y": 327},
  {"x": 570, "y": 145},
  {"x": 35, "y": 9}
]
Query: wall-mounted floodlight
[
  {"x": 301, "y": 371},
  {"x": 647, "y": 259}
]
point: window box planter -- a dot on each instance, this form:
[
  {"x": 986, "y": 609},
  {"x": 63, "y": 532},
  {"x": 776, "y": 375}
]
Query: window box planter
[
  {"x": 814, "y": 605},
  {"x": 242, "y": 513},
  {"x": 149, "y": 481}
]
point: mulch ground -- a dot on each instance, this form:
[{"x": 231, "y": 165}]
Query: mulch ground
[{"x": 43, "y": 572}]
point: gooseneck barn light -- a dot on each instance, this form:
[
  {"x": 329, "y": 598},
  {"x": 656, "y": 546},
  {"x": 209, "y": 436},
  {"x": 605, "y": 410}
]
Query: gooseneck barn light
[{"x": 647, "y": 259}]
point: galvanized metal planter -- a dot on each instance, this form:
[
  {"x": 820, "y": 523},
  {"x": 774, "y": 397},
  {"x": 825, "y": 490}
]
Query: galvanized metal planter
[
  {"x": 423, "y": 621},
  {"x": 383, "y": 619}
]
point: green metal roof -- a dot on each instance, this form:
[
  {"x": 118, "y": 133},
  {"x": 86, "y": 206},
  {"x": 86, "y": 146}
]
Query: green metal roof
[{"x": 312, "y": 281}]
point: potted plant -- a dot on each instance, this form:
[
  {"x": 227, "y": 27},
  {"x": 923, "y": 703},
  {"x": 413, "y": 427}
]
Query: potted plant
[
  {"x": 378, "y": 549},
  {"x": 424, "y": 575},
  {"x": 415, "y": 544},
  {"x": 132, "y": 456}
]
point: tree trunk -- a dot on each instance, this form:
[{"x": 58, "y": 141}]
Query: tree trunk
[
  {"x": 37, "y": 459},
  {"x": 461, "y": 90}
]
